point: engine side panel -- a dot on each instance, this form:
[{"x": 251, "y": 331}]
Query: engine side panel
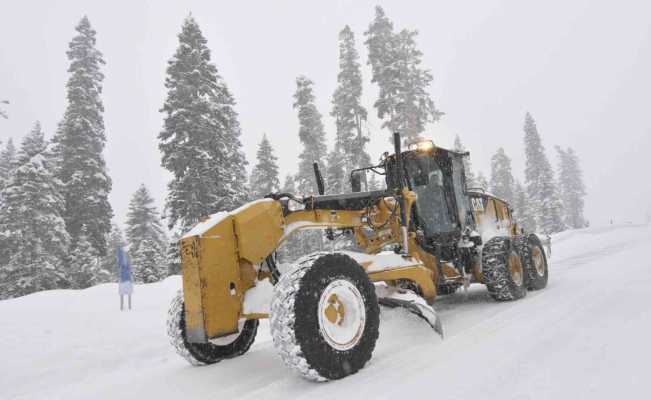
[
  {"x": 211, "y": 280},
  {"x": 492, "y": 215},
  {"x": 217, "y": 263}
]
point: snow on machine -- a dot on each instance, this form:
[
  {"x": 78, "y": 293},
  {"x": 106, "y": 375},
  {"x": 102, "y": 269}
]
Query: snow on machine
[{"x": 324, "y": 310}]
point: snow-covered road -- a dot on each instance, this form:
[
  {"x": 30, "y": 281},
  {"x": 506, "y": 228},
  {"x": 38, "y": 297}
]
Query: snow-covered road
[{"x": 586, "y": 336}]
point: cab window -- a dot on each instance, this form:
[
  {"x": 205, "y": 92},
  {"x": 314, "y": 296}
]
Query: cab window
[{"x": 433, "y": 205}]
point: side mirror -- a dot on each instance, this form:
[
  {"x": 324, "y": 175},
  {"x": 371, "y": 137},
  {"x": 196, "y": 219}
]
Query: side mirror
[{"x": 356, "y": 181}]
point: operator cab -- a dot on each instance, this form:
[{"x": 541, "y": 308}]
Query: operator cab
[{"x": 437, "y": 177}]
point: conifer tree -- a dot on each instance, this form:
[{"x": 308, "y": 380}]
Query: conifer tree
[
  {"x": 288, "y": 185},
  {"x": 79, "y": 143},
  {"x": 200, "y": 140},
  {"x": 3, "y": 112},
  {"x": 501, "y": 182},
  {"x": 85, "y": 266},
  {"x": 521, "y": 210},
  {"x": 173, "y": 255},
  {"x": 571, "y": 187},
  {"x": 404, "y": 102},
  {"x": 264, "y": 178},
  {"x": 33, "y": 144},
  {"x": 336, "y": 172},
  {"x": 542, "y": 196},
  {"x": 348, "y": 112},
  {"x": 146, "y": 238},
  {"x": 33, "y": 237},
  {"x": 467, "y": 165},
  {"x": 149, "y": 261},
  {"x": 109, "y": 261},
  {"x": 311, "y": 134},
  {"x": 7, "y": 164}
]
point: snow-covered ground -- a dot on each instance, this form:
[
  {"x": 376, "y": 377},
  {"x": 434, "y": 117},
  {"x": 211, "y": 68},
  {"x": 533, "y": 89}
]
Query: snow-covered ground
[{"x": 585, "y": 336}]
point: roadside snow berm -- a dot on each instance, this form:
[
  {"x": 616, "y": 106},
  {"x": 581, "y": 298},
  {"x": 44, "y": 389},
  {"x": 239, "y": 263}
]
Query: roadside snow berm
[{"x": 324, "y": 311}]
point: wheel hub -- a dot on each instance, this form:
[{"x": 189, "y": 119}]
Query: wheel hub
[
  {"x": 538, "y": 260},
  {"x": 335, "y": 310},
  {"x": 515, "y": 266},
  {"x": 342, "y": 315}
]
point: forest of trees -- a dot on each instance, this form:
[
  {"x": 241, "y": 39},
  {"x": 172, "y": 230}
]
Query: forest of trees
[
  {"x": 56, "y": 228},
  {"x": 547, "y": 202}
]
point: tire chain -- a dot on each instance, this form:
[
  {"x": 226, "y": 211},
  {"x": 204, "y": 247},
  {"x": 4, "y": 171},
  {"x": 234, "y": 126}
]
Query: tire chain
[
  {"x": 495, "y": 268},
  {"x": 282, "y": 318},
  {"x": 174, "y": 331}
]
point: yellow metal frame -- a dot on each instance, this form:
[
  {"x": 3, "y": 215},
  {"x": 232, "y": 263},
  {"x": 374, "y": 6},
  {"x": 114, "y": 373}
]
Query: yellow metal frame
[{"x": 222, "y": 262}]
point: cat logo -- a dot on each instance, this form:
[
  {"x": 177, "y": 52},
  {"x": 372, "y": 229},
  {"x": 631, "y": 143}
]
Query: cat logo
[{"x": 477, "y": 204}]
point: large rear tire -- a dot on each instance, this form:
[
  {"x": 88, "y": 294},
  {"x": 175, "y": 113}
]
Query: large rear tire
[
  {"x": 535, "y": 264},
  {"x": 503, "y": 270},
  {"x": 325, "y": 317},
  {"x": 213, "y": 351}
]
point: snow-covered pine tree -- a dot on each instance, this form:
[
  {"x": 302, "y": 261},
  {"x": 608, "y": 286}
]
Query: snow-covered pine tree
[
  {"x": 79, "y": 142},
  {"x": 288, "y": 185},
  {"x": 542, "y": 196},
  {"x": 85, "y": 265},
  {"x": 33, "y": 144},
  {"x": 7, "y": 164},
  {"x": 33, "y": 237},
  {"x": 521, "y": 210},
  {"x": 109, "y": 261},
  {"x": 335, "y": 176},
  {"x": 148, "y": 261},
  {"x": 349, "y": 113},
  {"x": 264, "y": 178},
  {"x": 173, "y": 255},
  {"x": 467, "y": 165},
  {"x": 501, "y": 181},
  {"x": 3, "y": 112},
  {"x": 200, "y": 140},
  {"x": 404, "y": 102},
  {"x": 146, "y": 238},
  {"x": 336, "y": 182},
  {"x": 571, "y": 187},
  {"x": 311, "y": 134}
]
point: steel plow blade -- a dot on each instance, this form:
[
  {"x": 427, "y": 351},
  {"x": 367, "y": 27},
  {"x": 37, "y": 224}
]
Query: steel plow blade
[{"x": 414, "y": 304}]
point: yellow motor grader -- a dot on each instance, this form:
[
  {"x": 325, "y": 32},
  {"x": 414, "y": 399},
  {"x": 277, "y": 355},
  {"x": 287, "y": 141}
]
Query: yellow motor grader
[{"x": 426, "y": 234}]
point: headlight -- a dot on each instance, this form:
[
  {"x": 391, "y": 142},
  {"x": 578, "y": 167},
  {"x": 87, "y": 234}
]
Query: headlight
[{"x": 423, "y": 146}]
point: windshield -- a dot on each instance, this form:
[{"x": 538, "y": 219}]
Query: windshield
[{"x": 434, "y": 210}]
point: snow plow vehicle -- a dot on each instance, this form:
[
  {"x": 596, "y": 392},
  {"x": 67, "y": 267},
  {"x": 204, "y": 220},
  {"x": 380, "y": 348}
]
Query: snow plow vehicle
[{"x": 425, "y": 235}]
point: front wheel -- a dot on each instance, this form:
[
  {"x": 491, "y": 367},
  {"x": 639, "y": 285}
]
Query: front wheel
[
  {"x": 325, "y": 317},
  {"x": 216, "y": 349}
]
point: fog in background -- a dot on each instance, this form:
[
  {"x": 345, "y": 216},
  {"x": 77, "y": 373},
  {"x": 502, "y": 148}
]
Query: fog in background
[{"x": 582, "y": 68}]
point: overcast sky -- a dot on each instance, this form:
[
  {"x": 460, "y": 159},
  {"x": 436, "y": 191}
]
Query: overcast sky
[{"x": 582, "y": 68}]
